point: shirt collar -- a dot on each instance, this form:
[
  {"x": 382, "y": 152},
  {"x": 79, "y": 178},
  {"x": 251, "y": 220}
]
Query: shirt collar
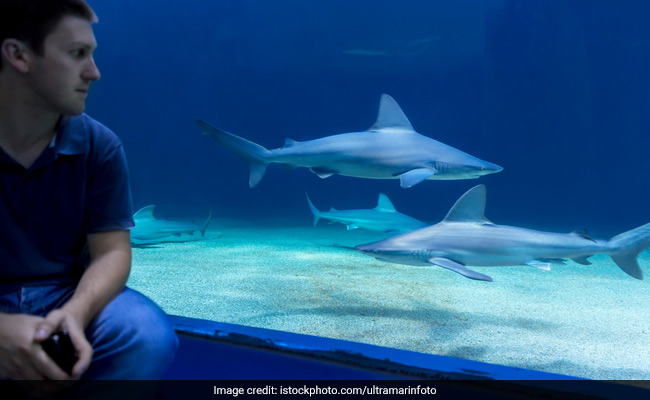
[{"x": 69, "y": 135}]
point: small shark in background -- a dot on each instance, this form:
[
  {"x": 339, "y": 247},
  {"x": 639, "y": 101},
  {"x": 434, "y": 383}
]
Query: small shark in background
[
  {"x": 400, "y": 48},
  {"x": 150, "y": 230},
  {"x": 390, "y": 149},
  {"x": 466, "y": 237},
  {"x": 383, "y": 218}
]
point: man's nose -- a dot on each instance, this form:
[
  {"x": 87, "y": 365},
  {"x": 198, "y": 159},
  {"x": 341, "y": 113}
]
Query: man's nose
[{"x": 91, "y": 72}]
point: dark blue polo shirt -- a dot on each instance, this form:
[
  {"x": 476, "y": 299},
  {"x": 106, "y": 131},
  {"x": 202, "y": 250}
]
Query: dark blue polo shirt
[{"x": 78, "y": 185}]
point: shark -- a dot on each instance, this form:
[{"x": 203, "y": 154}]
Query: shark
[
  {"x": 383, "y": 218},
  {"x": 466, "y": 237},
  {"x": 403, "y": 48},
  {"x": 390, "y": 149},
  {"x": 150, "y": 230}
]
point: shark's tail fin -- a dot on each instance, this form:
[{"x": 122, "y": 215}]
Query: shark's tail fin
[
  {"x": 252, "y": 153},
  {"x": 626, "y": 248},
  {"x": 314, "y": 210},
  {"x": 206, "y": 223}
]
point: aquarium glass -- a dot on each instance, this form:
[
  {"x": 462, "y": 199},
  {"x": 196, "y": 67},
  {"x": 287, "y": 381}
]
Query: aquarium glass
[{"x": 557, "y": 92}]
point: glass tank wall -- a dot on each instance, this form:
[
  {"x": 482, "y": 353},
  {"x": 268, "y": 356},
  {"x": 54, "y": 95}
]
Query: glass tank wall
[{"x": 557, "y": 93}]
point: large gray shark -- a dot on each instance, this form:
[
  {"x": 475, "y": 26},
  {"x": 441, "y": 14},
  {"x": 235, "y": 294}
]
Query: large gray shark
[
  {"x": 150, "y": 230},
  {"x": 383, "y": 218},
  {"x": 390, "y": 149},
  {"x": 466, "y": 237}
]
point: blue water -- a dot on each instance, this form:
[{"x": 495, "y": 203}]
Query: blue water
[{"x": 557, "y": 92}]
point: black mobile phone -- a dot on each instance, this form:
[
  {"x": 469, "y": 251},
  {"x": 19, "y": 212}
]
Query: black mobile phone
[{"x": 60, "y": 349}]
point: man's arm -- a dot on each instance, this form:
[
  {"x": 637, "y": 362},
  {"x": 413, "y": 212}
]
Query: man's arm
[{"x": 105, "y": 277}]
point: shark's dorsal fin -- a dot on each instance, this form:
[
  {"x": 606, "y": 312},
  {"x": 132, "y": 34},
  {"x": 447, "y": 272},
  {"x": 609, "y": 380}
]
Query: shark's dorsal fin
[
  {"x": 384, "y": 204},
  {"x": 145, "y": 213},
  {"x": 470, "y": 207},
  {"x": 391, "y": 117},
  {"x": 583, "y": 234}
]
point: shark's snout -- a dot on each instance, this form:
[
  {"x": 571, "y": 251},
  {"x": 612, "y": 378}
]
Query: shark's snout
[
  {"x": 374, "y": 249},
  {"x": 388, "y": 253},
  {"x": 467, "y": 168},
  {"x": 488, "y": 168},
  {"x": 365, "y": 248}
]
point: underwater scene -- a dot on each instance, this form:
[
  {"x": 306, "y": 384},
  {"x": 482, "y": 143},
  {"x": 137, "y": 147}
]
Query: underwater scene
[{"x": 463, "y": 178}]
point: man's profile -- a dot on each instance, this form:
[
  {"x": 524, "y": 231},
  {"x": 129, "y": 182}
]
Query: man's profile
[{"x": 65, "y": 207}]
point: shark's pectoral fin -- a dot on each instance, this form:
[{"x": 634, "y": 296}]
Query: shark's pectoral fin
[
  {"x": 556, "y": 261},
  {"x": 351, "y": 227},
  {"x": 459, "y": 268},
  {"x": 415, "y": 176},
  {"x": 545, "y": 263},
  {"x": 541, "y": 265},
  {"x": 257, "y": 173},
  {"x": 582, "y": 260},
  {"x": 323, "y": 172}
]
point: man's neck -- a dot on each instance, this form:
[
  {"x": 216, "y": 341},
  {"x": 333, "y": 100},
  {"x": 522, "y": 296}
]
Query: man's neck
[{"x": 25, "y": 129}]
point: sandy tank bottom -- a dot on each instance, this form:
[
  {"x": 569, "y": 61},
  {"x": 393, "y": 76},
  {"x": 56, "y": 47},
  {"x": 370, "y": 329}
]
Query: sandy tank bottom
[{"x": 585, "y": 321}]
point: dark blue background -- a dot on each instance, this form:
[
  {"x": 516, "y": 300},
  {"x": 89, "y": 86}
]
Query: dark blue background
[{"x": 557, "y": 92}]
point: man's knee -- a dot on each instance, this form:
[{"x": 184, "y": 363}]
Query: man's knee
[{"x": 134, "y": 333}]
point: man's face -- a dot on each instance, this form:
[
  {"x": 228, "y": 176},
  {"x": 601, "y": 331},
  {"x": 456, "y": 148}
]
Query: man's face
[{"x": 62, "y": 76}]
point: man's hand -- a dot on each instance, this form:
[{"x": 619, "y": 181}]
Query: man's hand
[
  {"x": 60, "y": 319},
  {"x": 21, "y": 354}
]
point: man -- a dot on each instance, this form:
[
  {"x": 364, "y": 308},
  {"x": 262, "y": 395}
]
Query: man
[{"x": 65, "y": 209}]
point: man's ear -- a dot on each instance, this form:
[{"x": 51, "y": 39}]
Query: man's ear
[{"x": 16, "y": 53}]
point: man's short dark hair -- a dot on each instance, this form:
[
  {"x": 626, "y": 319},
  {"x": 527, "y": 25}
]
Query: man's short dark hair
[{"x": 32, "y": 20}]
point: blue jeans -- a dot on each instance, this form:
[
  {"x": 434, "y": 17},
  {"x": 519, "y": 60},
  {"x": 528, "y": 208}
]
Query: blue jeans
[{"x": 131, "y": 337}]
